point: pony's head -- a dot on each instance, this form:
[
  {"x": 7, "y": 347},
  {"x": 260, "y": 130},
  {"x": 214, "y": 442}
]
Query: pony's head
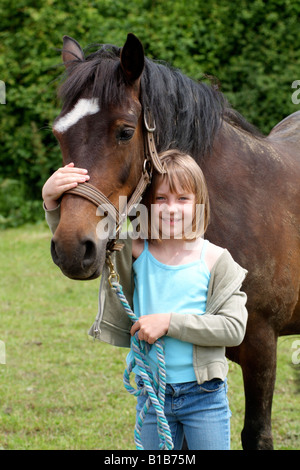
[{"x": 100, "y": 128}]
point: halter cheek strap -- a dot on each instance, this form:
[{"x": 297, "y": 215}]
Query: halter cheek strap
[
  {"x": 92, "y": 194},
  {"x": 151, "y": 152}
]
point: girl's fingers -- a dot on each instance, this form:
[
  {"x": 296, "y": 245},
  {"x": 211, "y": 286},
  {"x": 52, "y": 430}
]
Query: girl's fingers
[
  {"x": 66, "y": 187},
  {"x": 71, "y": 168},
  {"x": 69, "y": 179},
  {"x": 63, "y": 179}
]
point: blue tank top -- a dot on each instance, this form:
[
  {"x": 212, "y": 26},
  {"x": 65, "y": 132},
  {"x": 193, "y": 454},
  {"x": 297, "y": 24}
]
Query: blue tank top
[{"x": 161, "y": 288}]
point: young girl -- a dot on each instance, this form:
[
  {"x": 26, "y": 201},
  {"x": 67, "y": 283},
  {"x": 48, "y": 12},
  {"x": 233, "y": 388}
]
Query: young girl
[{"x": 186, "y": 290}]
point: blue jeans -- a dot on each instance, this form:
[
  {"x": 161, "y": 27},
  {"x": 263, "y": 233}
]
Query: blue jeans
[{"x": 199, "y": 412}]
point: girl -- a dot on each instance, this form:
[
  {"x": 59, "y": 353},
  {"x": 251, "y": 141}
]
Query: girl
[{"x": 186, "y": 290}]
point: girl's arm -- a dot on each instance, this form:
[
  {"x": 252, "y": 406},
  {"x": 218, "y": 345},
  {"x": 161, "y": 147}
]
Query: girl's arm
[
  {"x": 226, "y": 328},
  {"x": 225, "y": 322},
  {"x": 63, "y": 179},
  {"x": 52, "y": 218}
]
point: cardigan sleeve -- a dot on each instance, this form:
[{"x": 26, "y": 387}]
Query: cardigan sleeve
[
  {"x": 226, "y": 328},
  {"x": 225, "y": 320},
  {"x": 52, "y": 217}
]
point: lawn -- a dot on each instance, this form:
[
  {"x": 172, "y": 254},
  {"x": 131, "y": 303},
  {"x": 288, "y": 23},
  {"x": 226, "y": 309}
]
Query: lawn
[{"x": 59, "y": 389}]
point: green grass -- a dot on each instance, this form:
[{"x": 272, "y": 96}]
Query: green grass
[{"x": 61, "y": 390}]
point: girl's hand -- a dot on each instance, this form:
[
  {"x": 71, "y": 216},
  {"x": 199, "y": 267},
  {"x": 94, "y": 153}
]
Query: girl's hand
[
  {"x": 63, "y": 179},
  {"x": 151, "y": 327}
]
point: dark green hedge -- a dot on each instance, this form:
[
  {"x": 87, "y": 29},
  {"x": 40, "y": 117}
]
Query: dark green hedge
[{"x": 252, "y": 47}]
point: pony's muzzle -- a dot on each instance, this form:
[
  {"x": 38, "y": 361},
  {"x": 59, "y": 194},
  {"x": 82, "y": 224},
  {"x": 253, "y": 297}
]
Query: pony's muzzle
[{"x": 79, "y": 261}]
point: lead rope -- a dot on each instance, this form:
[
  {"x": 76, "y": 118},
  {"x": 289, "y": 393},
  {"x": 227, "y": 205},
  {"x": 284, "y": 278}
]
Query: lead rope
[{"x": 154, "y": 386}]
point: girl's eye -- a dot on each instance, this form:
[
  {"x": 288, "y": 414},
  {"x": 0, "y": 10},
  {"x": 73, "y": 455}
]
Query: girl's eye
[{"x": 186, "y": 197}]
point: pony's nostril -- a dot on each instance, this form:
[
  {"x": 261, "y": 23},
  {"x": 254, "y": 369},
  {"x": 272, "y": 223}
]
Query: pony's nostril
[
  {"x": 53, "y": 252},
  {"x": 90, "y": 254}
]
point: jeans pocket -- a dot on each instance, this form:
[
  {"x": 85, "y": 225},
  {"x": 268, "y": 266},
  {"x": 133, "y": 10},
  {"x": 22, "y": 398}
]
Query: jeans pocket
[{"x": 213, "y": 385}]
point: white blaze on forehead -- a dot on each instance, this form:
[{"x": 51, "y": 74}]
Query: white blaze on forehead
[{"x": 84, "y": 107}]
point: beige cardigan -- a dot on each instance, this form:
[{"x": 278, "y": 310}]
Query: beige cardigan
[{"x": 224, "y": 322}]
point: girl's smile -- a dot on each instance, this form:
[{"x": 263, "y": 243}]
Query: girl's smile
[{"x": 173, "y": 211}]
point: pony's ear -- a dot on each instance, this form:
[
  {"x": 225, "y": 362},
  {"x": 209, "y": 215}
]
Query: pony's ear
[
  {"x": 132, "y": 58},
  {"x": 71, "y": 51}
]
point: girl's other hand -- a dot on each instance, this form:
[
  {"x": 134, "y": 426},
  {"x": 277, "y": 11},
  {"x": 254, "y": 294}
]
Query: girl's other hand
[
  {"x": 151, "y": 327},
  {"x": 61, "y": 181}
]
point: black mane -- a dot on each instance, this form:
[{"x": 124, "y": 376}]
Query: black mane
[{"x": 187, "y": 113}]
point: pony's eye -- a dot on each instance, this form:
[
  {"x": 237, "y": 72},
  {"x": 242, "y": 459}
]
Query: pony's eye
[{"x": 125, "y": 134}]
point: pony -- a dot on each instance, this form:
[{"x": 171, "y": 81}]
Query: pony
[{"x": 253, "y": 183}]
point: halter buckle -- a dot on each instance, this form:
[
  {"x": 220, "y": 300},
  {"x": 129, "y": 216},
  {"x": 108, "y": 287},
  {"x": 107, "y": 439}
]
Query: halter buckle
[
  {"x": 147, "y": 168},
  {"x": 149, "y": 129}
]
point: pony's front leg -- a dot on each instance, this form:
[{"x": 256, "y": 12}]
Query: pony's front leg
[{"x": 258, "y": 362}]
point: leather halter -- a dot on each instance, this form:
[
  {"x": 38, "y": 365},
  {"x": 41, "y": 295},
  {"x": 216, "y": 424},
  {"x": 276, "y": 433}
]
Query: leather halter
[{"x": 92, "y": 194}]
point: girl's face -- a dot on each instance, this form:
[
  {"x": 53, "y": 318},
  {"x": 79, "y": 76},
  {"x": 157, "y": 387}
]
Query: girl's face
[{"x": 172, "y": 213}]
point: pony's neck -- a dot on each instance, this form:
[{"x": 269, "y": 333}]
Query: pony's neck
[
  {"x": 238, "y": 151},
  {"x": 187, "y": 114}
]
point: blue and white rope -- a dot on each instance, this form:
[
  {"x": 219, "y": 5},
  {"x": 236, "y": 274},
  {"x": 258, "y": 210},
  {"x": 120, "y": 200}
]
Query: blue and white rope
[{"x": 154, "y": 386}]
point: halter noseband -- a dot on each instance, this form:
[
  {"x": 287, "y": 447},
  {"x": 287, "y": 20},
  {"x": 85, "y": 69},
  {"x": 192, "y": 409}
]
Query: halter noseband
[{"x": 92, "y": 194}]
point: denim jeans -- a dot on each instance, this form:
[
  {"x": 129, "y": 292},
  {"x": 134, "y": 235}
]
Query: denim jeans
[{"x": 199, "y": 412}]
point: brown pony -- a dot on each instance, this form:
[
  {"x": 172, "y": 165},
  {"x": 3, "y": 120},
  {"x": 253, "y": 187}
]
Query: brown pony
[{"x": 253, "y": 182}]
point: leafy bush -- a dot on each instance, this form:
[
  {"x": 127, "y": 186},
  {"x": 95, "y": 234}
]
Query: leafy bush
[
  {"x": 15, "y": 209},
  {"x": 251, "y": 48}
]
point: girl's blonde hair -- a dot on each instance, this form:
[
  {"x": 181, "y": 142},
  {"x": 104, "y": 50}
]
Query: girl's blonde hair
[{"x": 182, "y": 173}]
